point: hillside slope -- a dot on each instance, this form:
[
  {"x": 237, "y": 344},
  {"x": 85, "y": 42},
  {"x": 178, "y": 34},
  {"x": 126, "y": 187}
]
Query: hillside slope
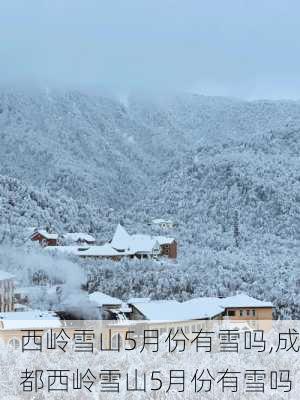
[
  {"x": 97, "y": 149},
  {"x": 22, "y": 206},
  {"x": 79, "y": 161},
  {"x": 260, "y": 180}
]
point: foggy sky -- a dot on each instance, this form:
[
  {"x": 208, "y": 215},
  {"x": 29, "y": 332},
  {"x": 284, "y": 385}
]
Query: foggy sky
[{"x": 248, "y": 48}]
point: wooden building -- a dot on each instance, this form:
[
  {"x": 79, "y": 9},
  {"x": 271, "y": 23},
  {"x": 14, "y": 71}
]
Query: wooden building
[
  {"x": 123, "y": 245},
  {"x": 168, "y": 246},
  {"x": 45, "y": 238}
]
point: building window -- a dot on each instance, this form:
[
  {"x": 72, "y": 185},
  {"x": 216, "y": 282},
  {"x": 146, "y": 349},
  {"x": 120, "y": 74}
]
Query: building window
[
  {"x": 241, "y": 313},
  {"x": 253, "y": 313},
  {"x": 248, "y": 313},
  {"x": 231, "y": 313}
]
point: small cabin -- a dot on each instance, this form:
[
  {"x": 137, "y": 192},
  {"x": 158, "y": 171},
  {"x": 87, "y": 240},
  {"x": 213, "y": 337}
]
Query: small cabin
[
  {"x": 44, "y": 238},
  {"x": 168, "y": 246}
]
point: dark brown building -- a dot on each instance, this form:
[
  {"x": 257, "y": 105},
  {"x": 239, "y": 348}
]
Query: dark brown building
[
  {"x": 45, "y": 238},
  {"x": 168, "y": 246}
]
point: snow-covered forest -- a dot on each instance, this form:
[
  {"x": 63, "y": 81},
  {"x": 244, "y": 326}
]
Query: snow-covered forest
[{"x": 227, "y": 171}]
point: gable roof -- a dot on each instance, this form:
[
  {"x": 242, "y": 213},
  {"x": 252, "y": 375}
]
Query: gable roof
[
  {"x": 121, "y": 239},
  {"x": 164, "y": 240},
  {"x": 105, "y": 250},
  {"x": 102, "y": 299},
  {"x": 122, "y": 244},
  {"x": 243, "y": 300},
  {"x": 143, "y": 243},
  {"x": 45, "y": 234},
  {"x": 194, "y": 309},
  {"x": 203, "y": 307},
  {"x": 34, "y": 319},
  {"x": 138, "y": 243},
  {"x": 134, "y": 300},
  {"x": 156, "y": 310}
]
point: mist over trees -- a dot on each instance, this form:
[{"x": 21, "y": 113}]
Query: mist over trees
[{"x": 227, "y": 171}]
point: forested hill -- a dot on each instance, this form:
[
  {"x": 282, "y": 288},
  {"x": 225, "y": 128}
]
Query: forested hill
[
  {"x": 228, "y": 171},
  {"x": 193, "y": 157},
  {"x": 259, "y": 180},
  {"x": 99, "y": 149}
]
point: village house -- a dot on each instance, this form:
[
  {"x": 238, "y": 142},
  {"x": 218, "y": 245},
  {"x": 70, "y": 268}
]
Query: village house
[
  {"x": 45, "y": 238},
  {"x": 13, "y": 324},
  {"x": 6, "y": 292},
  {"x": 170, "y": 313},
  {"x": 144, "y": 245},
  {"x": 236, "y": 312},
  {"x": 138, "y": 245},
  {"x": 168, "y": 246},
  {"x": 124, "y": 245},
  {"x": 236, "y": 308}
]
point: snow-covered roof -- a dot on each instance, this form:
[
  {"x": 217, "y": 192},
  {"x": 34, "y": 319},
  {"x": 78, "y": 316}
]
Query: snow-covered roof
[
  {"x": 122, "y": 244},
  {"x": 164, "y": 240},
  {"x": 243, "y": 300},
  {"x": 121, "y": 239},
  {"x": 29, "y": 320},
  {"x": 138, "y": 242},
  {"x": 165, "y": 310},
  {"x": 106, "y": 250},
  {"x": 5, "y": 276},
  {"x": 143, "y": 243},
  {"x": 102, "y": 299},
  {"x": 197, "y": 308},
  {"x": 134, "y": 300},
  {"x": 45, "y": 234},
  {"x": 172, "y": 310},
  {"x": 77, "y": 236},
  {"x": 203, "y": 307}
]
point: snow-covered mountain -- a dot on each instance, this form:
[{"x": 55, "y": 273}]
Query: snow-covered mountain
[
  {"x": 76, "y": 160},
  {"x": 258, "y": 179},
  {"x": 97, "y": 148},
  {"x": 101, "y": 153}
]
